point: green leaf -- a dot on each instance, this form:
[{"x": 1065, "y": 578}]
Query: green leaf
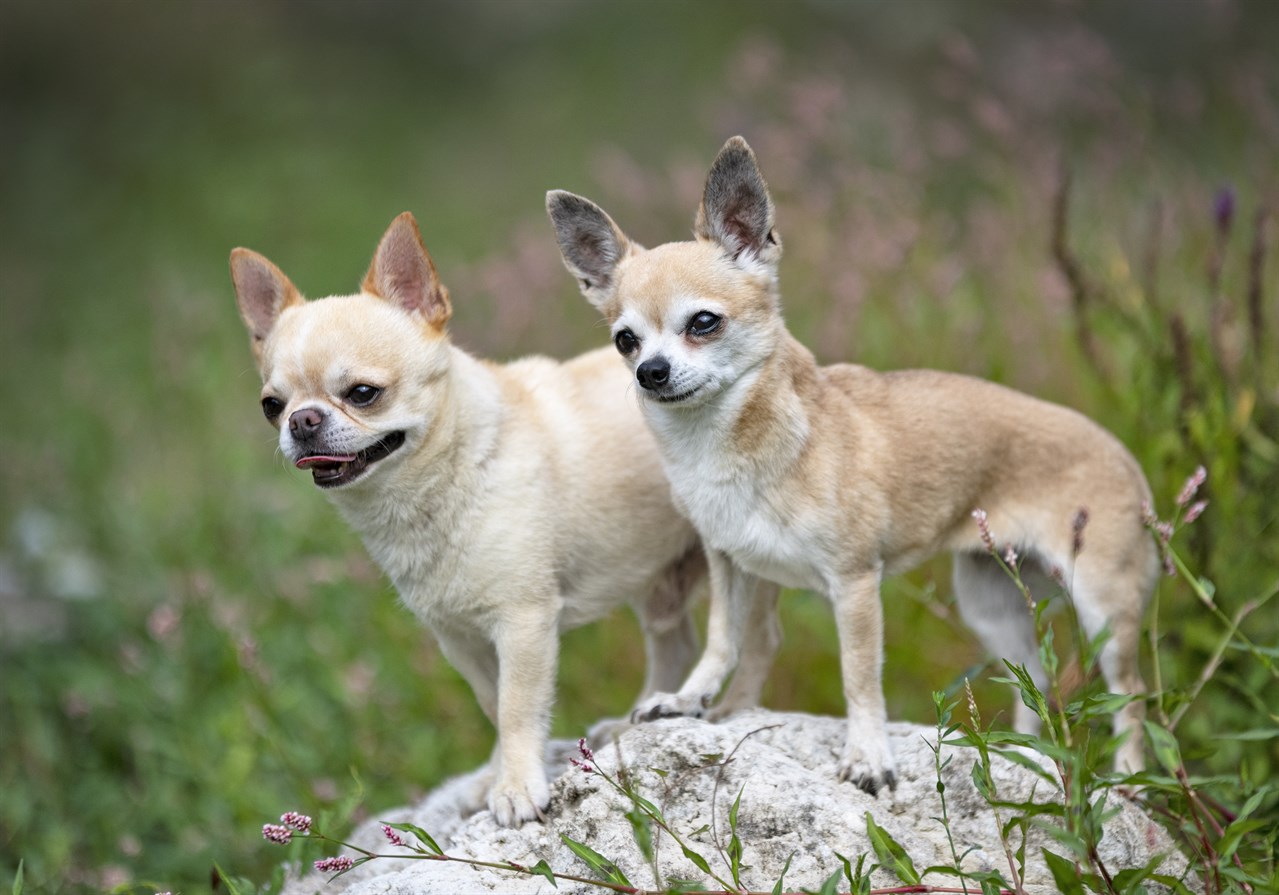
[
  {"x": 890, "y": 853},
  {"x": 601, "y": 865},
  {"x": 734, "y": 842},
  {"x": 1261, "y": 733},
  {"x": 642, "y": 831},
  {"x": 779, "y": 885},
  {"x": 696, "y": 859},
  {"x": 541, "y": 868},
  {"x": 1176, "y": 885},
  {"x": 831, "y": 885},
  {"x": 1164, "y": 745},
  {"x": 421, "y": 834},
  {"x": 17, "y": 878},
  {"x": 1064, "y": 874}
]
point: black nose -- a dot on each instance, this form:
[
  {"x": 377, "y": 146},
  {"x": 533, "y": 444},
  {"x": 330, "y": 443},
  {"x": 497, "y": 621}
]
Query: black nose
[
  {"x": 654, "y": 372},
  {"x": 305, "y": 423}
]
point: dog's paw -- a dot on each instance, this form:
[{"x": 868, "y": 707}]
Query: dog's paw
[
  {"x": 669, "y": 705},
  {"x": 870, "y": 774},
  {"x": 517, "y": 803}
]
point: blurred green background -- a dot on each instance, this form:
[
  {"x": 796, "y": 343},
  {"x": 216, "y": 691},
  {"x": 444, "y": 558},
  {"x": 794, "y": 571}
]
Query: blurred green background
[{"x": 191, "y": 642}]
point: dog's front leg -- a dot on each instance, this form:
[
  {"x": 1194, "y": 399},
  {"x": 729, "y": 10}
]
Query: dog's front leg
[
  {"x": 527, "y": 644},
  {"x": 732, "y": 591},
  {"x": 859, "y": 618}
]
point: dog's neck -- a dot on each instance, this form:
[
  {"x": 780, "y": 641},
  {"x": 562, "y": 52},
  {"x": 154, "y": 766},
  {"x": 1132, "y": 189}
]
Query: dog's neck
[
  {"x": 408, "y": 515},
  {"x": 761, "y": 420}
]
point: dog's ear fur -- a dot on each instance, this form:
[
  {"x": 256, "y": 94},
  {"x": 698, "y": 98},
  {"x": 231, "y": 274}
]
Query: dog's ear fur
[
  {"x": 736, "y": 210},
  {"x": 590, "y": 243},
  {"x": 402, "y": 272},
  {"x": 263, "y": 292}
]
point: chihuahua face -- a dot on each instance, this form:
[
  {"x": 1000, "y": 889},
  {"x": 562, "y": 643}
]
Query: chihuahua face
[
  {"x": 689, "y": 324},
  {"x": 348, "y": 404},
  {"x": 349, "y": 400}
]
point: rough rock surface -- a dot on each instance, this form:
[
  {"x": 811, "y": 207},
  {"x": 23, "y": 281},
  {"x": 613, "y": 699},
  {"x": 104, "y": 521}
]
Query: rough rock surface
[{"x": 791, "y": 804}]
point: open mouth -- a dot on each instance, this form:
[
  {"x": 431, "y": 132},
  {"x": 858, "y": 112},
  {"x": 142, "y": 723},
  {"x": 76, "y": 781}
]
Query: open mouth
[
  {"x": 675, "y": 399},
  {"x": 331, "y": 470}
]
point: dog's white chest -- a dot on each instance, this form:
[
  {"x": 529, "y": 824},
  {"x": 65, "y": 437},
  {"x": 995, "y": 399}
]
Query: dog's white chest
[{"x": 735, "y": 517}]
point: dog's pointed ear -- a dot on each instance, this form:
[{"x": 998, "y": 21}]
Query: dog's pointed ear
[
  {"x": 402, "y": 272},
  {"x": 736, "y": 210},
  {"x": 590, "y": 243},
  {"x": 262, "y": 291}
]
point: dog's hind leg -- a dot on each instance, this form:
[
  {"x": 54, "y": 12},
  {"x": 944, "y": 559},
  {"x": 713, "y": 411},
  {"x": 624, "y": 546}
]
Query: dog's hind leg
[
  {"x": 1113, "y": 594},
  {"x": 732, "y": 593},
  {"x": 995, "y": 610},
  {"x": 670, "y": 636},
  {"x": 760, "y": 643}
]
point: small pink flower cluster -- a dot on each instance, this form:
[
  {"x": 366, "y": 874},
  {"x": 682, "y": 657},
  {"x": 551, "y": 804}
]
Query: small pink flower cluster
[
  {"x": 299, "y": 822},
  {"x": 1197, "y": 478},
  {"x": 1077, "y": 527},
  {"x": 393, "y": 837},
  {"x": 340, "y": 864},
  {"x": 983, "y": 526},
  {"x": 283, "y": 831},
  {"x": 276, "y": 833},
  {"x": 1164, "y": 530},
  {"x": 588, "y": 756}
]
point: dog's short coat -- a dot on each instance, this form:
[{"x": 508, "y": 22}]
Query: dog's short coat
[
  {"x": 830, "y": 478},
  {"x": 505, "y": 502}
]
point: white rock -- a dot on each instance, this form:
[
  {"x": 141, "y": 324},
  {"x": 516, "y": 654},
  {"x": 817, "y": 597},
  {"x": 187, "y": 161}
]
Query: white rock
[{"x": 792, "y": 804}]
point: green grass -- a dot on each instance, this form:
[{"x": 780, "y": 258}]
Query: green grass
[{"x": 191, "y": 641}]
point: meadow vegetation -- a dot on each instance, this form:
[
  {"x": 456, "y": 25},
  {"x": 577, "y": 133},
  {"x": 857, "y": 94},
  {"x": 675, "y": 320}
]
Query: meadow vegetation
[{"x": 1075, "y": 199}]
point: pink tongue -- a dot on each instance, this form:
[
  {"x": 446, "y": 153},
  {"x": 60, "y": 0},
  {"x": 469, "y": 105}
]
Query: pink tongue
[{"x": 324, "y": 460}]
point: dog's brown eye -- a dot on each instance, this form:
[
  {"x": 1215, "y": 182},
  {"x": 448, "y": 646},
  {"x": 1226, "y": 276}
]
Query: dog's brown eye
[
  {"x": 272, "y": 407},
  {"x": 362, "y": 395},
  {"x": 626, "y": 341},
  {"x": 704, "y": 323}
]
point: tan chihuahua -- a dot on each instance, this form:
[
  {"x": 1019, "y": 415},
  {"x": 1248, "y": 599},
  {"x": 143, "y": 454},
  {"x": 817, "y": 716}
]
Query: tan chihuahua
[
  {"x": 830, "y": 478},
  {"x": 506, "y": 502}
]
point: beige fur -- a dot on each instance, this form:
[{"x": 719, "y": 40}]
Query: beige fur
[
  {"x": 526, "y": 498},
  {"x": 830, "y": 478}
]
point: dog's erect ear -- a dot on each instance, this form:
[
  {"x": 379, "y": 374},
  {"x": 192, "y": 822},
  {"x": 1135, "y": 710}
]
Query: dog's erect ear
[
  {"x": 736, "y": 210},
  {"x": 402, "y": 272},
  {"x": 591, "y": 244},
  {"x": 263, "y": 292}
]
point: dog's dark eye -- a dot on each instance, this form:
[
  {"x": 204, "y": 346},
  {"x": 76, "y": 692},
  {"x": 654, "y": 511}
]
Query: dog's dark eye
[
  {"x": 703, "y": 323},
  {"x": 272, "y": 407},
  {"x": 626, "y": 341},
  {"x": 363, "y": 395}
]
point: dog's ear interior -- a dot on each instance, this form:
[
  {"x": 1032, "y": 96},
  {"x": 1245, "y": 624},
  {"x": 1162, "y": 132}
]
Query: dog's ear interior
[
  {"x": 402, "y": 272},
  {"x": 736, "y": 210},
  {"x": 591, "y": 244},
  {"x": 262, "y": 291}
]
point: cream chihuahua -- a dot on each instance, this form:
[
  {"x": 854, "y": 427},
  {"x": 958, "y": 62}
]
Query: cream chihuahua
[
  {"x": 506, "y": 502},
  {"x": 830, "y": 478}
]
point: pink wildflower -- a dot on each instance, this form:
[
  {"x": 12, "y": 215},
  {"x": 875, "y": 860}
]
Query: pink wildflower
[
  {"x": 1188, "y": 490},
  {"x": 983, "y": 526},
  {"x": 1195, "y": 511},
  {"x": 276, "y": 833},
  {"x": 299, "y": 822},
  {"x": 1148, "y": 517},
  {"x": 585, "y": 766},
  {"x": 1010, "y": 557},
  {"x": 1077, "y": 530},
  {"x": 339, "y": 864},
  {"x": 393, "y": 837},
  {"x": 585, "y": 749}
]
